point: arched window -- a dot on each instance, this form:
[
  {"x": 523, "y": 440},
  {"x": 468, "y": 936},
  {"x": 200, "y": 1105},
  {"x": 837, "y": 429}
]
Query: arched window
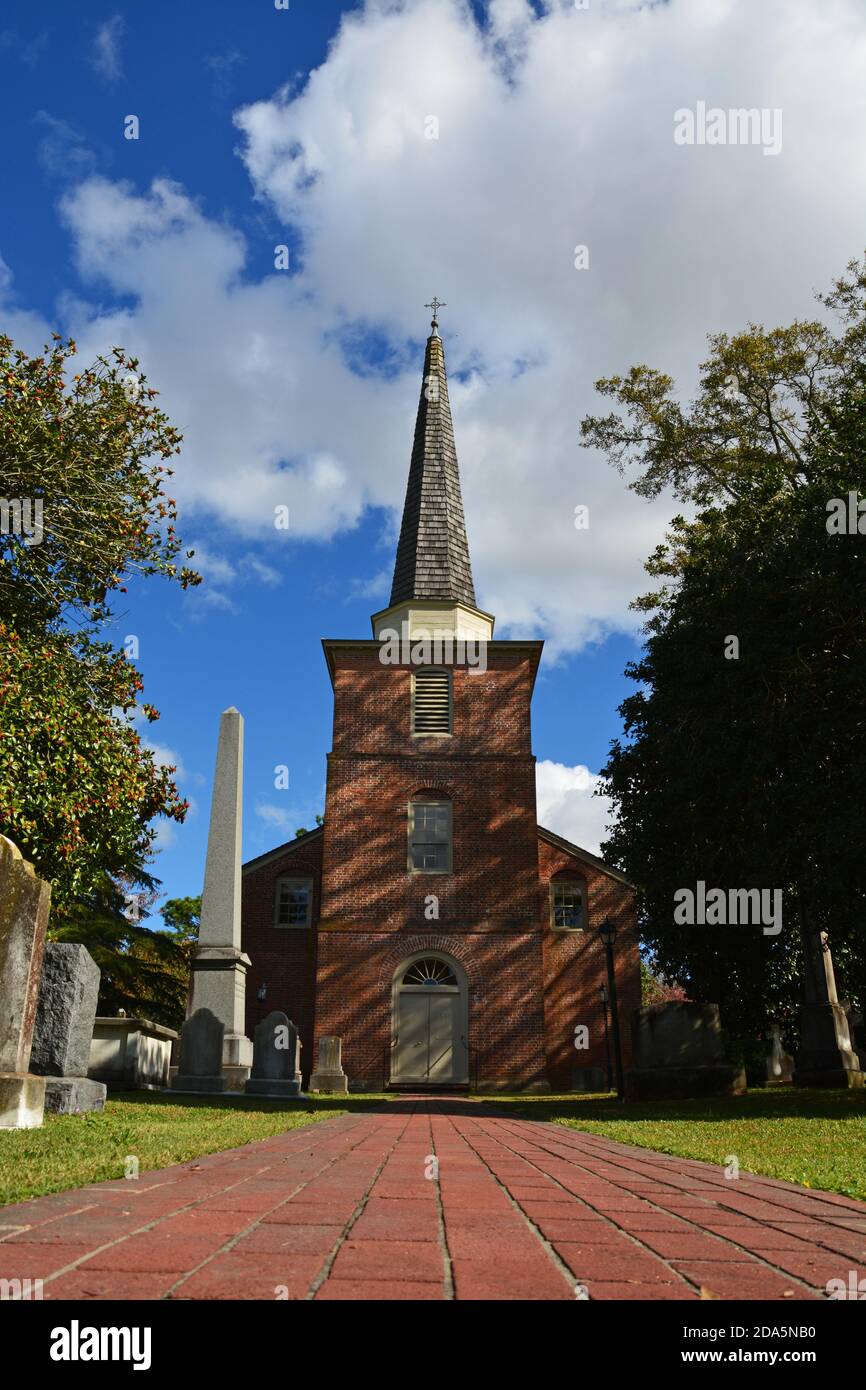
[
  {"x": 431, "y": 701},
  {"x": 429, "y": 836},
  {"x": 430, "y": 972}
]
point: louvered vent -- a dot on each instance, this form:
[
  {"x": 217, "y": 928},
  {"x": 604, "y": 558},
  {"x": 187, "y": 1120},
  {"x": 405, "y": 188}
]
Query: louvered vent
[{"x": 431, "y": 710}]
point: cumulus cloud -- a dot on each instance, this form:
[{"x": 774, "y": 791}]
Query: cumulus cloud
[
  {"x": 568, "y": 805},
  {"x": 430, "y": 153}
]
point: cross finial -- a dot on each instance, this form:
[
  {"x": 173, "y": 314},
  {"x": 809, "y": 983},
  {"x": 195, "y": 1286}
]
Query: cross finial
[{"x": 435, "y": 304}]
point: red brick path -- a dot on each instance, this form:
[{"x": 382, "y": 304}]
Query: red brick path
[{"x": 521, "y": 1209}]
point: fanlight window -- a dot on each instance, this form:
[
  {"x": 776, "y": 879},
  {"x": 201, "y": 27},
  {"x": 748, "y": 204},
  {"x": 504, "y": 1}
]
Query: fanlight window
[{"x": 430, "y": 972}]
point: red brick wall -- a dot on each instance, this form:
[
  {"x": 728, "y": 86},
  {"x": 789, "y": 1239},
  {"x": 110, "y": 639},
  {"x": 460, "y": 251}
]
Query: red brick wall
[
  {"x": 283, "y": 958},
  {"x": 528, "y": 985},
  {"x": 506, "y": 1018},
  {"x": 488, "y": 905},
  {"x": 575, "y": 969}
]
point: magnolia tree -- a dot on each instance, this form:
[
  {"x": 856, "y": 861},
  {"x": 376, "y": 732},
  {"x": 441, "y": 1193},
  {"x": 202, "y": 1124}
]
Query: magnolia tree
[{"x": 84, "y": 470}]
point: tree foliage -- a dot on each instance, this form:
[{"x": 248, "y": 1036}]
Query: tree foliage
[
  {"x": 78, "y": 790},
  {"x": 750, "y": 771}
]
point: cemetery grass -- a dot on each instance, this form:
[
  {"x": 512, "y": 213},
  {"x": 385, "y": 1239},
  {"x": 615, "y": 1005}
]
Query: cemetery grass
[
  {"x": 75, "y": 1150},
  {"x": 815, "y": 1138}
]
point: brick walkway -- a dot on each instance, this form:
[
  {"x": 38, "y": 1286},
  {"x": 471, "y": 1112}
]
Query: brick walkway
[{"x": 521, "y": 1210}]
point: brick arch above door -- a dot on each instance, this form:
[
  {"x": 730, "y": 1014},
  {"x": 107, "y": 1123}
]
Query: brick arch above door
[{"x": 412, "y": 945}]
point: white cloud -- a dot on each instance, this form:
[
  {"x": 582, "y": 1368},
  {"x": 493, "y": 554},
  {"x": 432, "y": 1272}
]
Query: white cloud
[
  {"x": 164, "y": 756},
  {"x": 553, "y": 131},
  {"x": 106, "y": 55},
  {"x": 568, "y": 805},
  {"x": 280, "y": 817}
]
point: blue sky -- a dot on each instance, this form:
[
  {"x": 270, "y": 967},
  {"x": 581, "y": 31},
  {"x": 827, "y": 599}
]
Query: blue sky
[{"x": 310, "y": 128}]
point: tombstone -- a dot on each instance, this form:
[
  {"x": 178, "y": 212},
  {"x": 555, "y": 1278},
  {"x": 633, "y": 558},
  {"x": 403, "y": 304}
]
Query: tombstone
[
  {"x": 201, "y": 1054},
  {"x": 219, "y": 968},
  {"x": 131, "y": 1054},
  {"x": 679, "y": 1052},
  {"x": 589, "y": 1079},
  {"x": 329, "y": 1076},
  {"x": 25, "y": 900},
  {"x": 826, "y": 1057},
  {"x": 780, "y": 1064},
  {"x": 276, "y": 1059},
  {"x": 65, "y": 1013}
]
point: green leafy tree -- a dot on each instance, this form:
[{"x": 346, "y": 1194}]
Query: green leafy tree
[
  {"x": 86, "y": 461},
  {"x": 745, "y": 765}
]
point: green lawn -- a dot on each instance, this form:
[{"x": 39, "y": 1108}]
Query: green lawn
[
  {"x": 812, "y": 1137},
  {"x": 73, "y": 1150},
  {"x": 817, "y": 1138}
]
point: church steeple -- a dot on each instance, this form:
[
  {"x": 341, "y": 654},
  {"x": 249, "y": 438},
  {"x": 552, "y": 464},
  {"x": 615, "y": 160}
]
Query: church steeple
[{"x": 433, "y": 552}]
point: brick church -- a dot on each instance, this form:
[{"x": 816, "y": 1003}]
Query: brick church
[{"x": 430, "y": 921}]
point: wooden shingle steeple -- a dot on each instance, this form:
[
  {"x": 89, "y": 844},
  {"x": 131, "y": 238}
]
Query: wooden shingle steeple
[{"x": 433, "y": 552}]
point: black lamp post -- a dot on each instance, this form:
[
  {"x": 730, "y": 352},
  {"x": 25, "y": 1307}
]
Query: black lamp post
[
  {"x": 607, "y": 933},
  {"x": 605, "y": 1001}
]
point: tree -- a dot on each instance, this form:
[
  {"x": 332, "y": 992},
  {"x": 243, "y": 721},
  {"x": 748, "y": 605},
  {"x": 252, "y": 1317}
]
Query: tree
[
  {"x": 744, "y": 761},
  {"x": 83, "y": 468},
  {"x": 302, "y": 829}
]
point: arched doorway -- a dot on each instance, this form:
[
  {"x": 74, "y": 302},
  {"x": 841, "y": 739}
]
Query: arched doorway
[{"x": 430, "y": 1022}]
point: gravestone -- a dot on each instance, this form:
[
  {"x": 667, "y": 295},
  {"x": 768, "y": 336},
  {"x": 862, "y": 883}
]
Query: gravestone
[
  {"x": 589, "y": 1079},
  {"x": 679, "y": 1052},
  {"x": 276, "y": 1058},
  {"x": 329, "y": 1076},
  {"x": 65, "y": 1014},
  {"x": 201, "y": 1054},
  {"x": 780, "y": 1064},
  {"x": 25, "y": 900},
  {"x": 826, "y": 1057}
]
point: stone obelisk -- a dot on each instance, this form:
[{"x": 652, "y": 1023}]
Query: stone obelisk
[
  {"x": 220, "y": 967},
  {"x": 826, "y": 1057}
]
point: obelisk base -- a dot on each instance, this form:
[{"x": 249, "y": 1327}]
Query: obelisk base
[{"x": 826, "y": 1057}]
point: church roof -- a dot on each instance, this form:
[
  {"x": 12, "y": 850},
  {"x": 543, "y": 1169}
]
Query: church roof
[{"x": 433, "y": 552}]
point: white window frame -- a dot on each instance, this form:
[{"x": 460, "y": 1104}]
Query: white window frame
[
  {"x": 572, "y": 883},
  {"x": 296, "y": 880},
  {"x": 410, "y": 828}
]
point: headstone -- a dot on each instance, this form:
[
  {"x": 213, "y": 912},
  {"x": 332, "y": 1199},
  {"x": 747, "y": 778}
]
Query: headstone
[
  {"x": 780, "y": 1064},
  {"x": 65, "y": 1013},
  {"x": 201, "y": 1054},
  {"x": 220, "y": 967},
  {"x": 826, "y": 1057},
  {"x": 25, "y": 900},
  {"x": 276, "y": 1058},
  {"x": 329, "y": 1076},
  {"x": 589, "y": 1079},
  {"x": 131, "y": 1054},
  {"x": 679, "y": 1052}
]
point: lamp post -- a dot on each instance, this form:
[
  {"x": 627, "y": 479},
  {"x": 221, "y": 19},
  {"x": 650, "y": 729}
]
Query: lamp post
[
  {"x": 607, "y": 933},
  {"x": 605, "y": 1000}
]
